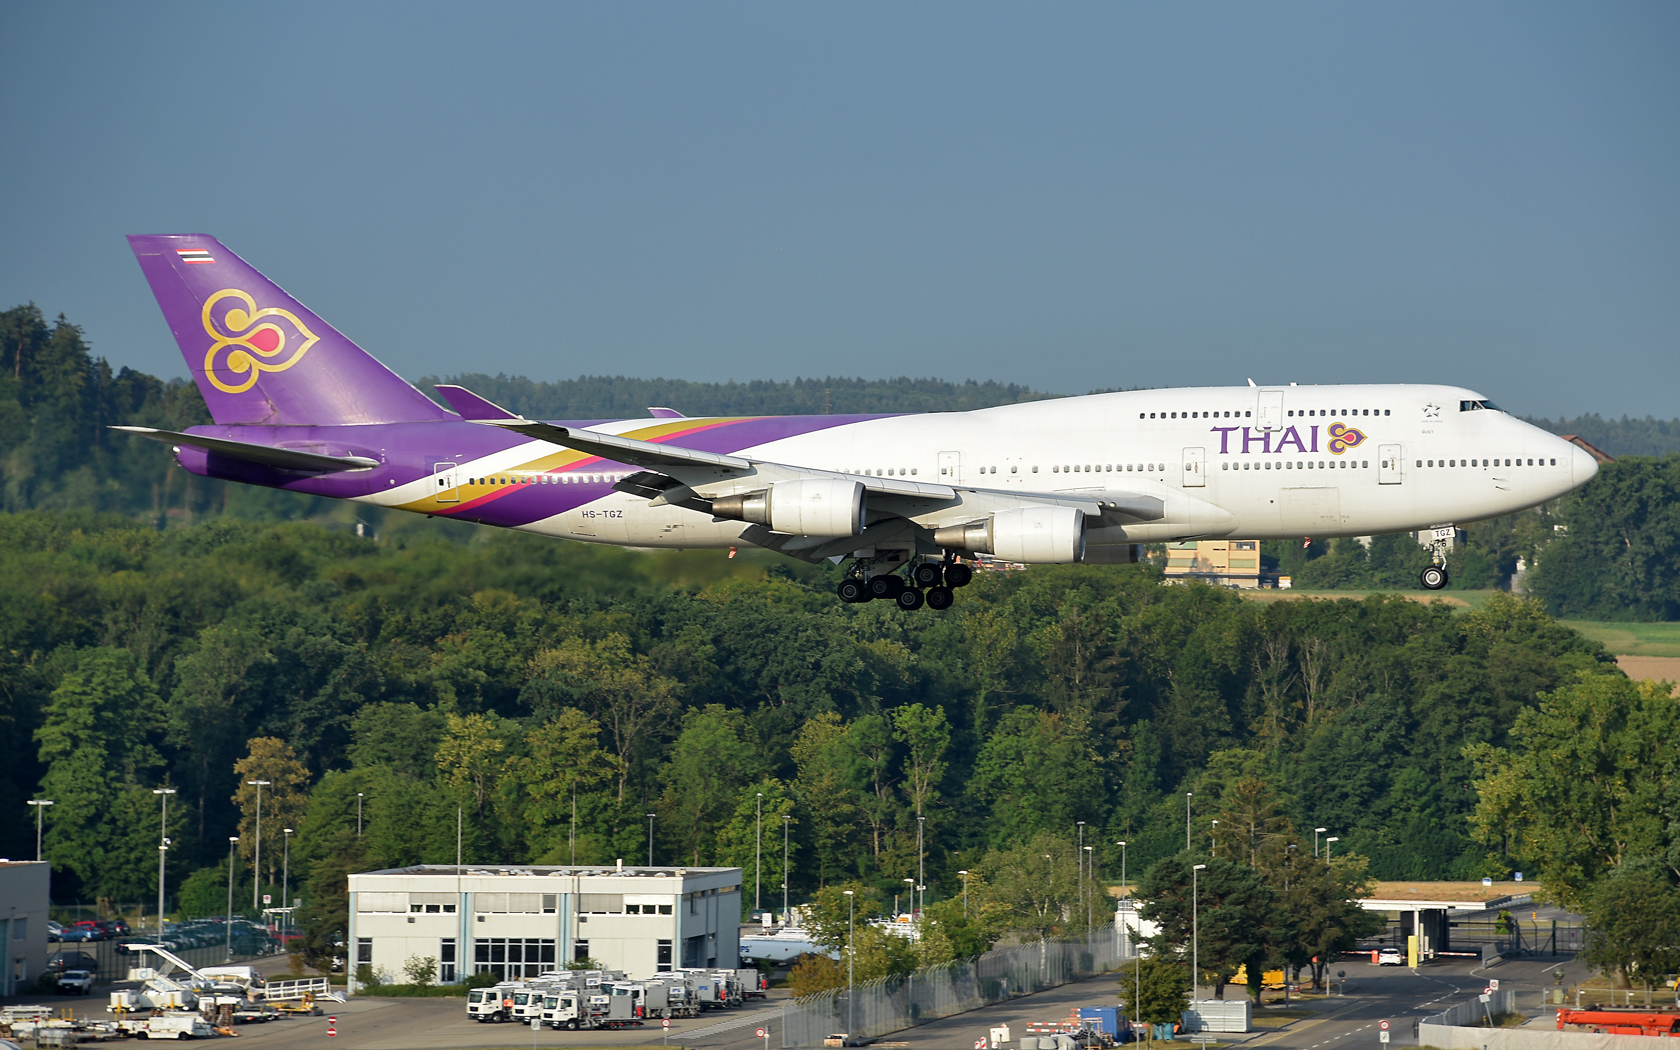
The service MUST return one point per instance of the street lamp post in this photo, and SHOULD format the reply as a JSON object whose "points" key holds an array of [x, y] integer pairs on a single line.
{"points": [[851, 1010], [964, 875], [1327, 842], [1316, 833], [1137, 965], [40, 805], [358, 814], [758, 855], [1213, 839], [1187, 795], [256, 863], [232, 841], [163, 847], [650, 817], [787, 819], [1195, 938], [286, 881], [1091, 876], [912, 896], [921, 865], [1080, 856]]}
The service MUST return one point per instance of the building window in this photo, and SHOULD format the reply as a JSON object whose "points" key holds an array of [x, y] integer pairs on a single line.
{"points": [[512, 957], [364, 950], [446, 960], [580, 951], [664, 909], [662, 962], [550, 903]]}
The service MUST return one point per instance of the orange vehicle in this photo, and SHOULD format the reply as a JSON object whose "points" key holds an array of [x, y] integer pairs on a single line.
{"points": [[1622, 1022]]}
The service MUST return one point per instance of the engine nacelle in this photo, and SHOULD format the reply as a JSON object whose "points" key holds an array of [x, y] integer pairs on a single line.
{"points": [[1035, 535], [808, 507]]}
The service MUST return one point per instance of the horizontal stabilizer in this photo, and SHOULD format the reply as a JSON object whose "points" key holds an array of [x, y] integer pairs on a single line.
{"points": [[267, 455], [470, 405]]}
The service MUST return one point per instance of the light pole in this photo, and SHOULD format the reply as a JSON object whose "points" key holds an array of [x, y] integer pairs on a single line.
{"points": [[1327, 842], [964, 875], [1080, 856], [758, 854], [921, 865], [1187, 795], [912, 896], [1213, 838], [232, 841], [1195, 937], [163, 847], [286, 881], [1316, 833], [40, 805], [256, 863], [1137, 966], [358, 814], [786, 820], [851, 1012], [650, 817], [1091, 897]]}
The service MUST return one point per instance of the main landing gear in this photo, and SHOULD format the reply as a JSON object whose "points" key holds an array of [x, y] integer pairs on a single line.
{"points": [[929, 583], [1435, 577]]}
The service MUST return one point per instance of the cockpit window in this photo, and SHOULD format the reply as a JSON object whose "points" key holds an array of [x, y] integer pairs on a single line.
{"points": [[1477, 406]]}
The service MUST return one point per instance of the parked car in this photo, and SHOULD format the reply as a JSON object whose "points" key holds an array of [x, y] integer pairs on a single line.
{"points": [[1390, 957], [54, 930], [91, 928], [59, 962], [75, 982], [79, 933]]}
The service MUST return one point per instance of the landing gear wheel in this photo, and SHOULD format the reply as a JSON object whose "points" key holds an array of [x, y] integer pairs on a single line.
{"points": [[939, 597], [1433, 578], [958, 575], [851, 590], [909, 599], [886, 586], [926, 574]]}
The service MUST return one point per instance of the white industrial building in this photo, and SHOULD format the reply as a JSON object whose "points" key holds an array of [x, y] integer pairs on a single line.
{"points": [[520, 921], [23, 923]]}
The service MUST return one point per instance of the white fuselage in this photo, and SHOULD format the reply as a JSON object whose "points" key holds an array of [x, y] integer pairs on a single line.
{"points": [[1275, 462]]}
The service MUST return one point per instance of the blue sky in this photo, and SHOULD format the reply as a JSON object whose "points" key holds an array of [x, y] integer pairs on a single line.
{"points": [[1069, 196]]}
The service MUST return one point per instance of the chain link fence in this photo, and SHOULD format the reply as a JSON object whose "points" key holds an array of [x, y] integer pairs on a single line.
{"points": [[890, 1004]]}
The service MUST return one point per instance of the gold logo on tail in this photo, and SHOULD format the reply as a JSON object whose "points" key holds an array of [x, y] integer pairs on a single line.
{"points": [[260, 345]]}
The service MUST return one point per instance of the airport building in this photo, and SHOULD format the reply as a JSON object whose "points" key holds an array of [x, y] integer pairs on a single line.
{"points": [[521, 921], [23, 923], [1228, 563]]}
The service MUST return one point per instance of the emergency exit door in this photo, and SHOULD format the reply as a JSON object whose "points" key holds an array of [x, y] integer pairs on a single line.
{"points": [[443, 483], [1388, 465], [1194, 466], [950, 468]]}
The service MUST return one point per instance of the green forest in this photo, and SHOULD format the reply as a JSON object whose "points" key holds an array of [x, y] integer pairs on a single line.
{"points": [[168, 630]]}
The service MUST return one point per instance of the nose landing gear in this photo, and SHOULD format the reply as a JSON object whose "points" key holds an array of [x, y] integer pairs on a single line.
{"points": [[1440, 541]]}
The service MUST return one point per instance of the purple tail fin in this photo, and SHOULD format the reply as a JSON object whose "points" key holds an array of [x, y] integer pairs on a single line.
{"points": [[260, 356]]}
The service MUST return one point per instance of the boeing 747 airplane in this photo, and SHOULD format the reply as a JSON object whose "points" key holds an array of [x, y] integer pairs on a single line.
{"points": [[903, 497]]}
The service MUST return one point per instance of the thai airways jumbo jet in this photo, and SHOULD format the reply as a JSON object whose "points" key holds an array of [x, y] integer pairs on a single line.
{"points": [[903, 497]]}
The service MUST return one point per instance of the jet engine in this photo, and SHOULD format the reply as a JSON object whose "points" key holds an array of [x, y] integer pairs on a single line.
{"points": [[808, 507], [1036, 535]]}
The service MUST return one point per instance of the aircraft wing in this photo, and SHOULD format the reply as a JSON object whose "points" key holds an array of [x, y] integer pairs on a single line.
{"points": [[267, 455]]}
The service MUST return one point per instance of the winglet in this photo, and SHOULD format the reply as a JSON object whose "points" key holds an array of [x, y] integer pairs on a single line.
{"points": [[470, 405], [665, 413]]}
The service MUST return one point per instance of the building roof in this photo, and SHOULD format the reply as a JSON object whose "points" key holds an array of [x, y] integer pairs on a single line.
{"points": [[520, 870], [1448, 896]]}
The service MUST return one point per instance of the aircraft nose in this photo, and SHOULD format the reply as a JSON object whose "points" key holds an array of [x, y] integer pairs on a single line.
{"points": [[1582, 464]]}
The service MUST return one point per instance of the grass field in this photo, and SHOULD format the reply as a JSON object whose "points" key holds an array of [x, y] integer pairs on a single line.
{"points": [[1457, 599], [1632, 639]]}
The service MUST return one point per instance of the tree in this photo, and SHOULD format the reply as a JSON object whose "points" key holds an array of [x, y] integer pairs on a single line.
{"points": [[1038, 773], [813, 974], [710, 761], [284, 798], [1633, 923], [1035, 884], [1618, 555], [620, 687], [1251, 828], [468, 757], [1234, 914], [946, 934], [95, 743], [1587, 786], [828, 791], [738, 841], [1318, 914], [927, 736], [1159, 986], [563, 759]]}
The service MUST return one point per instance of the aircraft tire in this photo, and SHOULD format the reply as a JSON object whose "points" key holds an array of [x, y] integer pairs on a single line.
{"points": [[958, 575], [852, 590], [1433, 578], [909, 599], [886, 586], [939, 597], [927, 574]]}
